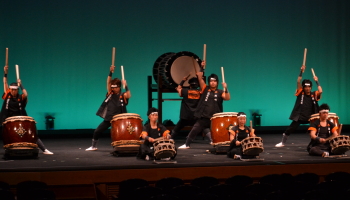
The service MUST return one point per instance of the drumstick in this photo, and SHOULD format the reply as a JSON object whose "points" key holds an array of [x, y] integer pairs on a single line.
{"points": [[340, 127], [7, 57], [304, 61], [313, 73], [222, 74], [17, 73], [122, 70], [251, 125], [204, 54], [194, 65], [113, 55]]}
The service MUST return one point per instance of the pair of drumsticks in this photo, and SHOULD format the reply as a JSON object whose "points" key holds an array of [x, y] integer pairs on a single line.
{"points": [[121, 67], [304, 62]]}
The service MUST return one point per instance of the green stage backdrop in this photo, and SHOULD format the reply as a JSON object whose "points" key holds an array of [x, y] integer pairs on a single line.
{"points": [[63, 49]]}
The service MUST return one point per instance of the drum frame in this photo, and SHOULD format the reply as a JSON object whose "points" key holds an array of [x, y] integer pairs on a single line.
{"points": [[160, 151], [340, 146], [252, 147]]}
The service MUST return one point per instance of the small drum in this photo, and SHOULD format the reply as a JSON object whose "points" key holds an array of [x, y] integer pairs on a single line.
{"points": [[252, 146], [170, 68], [164, 148], [19, 132], [332, 117], [220, 123], [126, 130], [340, 144]]}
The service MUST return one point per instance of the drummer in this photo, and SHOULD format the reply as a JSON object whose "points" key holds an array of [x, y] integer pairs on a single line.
{"points": [[305, 105], [14, 104], [319, 131], [190, 98], [210, 103], [150, 132], [237, 134], [115, 103]]}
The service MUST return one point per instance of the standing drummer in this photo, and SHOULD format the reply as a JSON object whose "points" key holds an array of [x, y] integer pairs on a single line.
{"points": [[237, 134], [305, 105], [150, 132], [14, 104], [115, 103], [320, 130], [210, 103]]}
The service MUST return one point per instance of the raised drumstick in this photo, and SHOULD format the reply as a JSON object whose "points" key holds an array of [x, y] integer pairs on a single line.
{"points": [[204, 54], [222, 74], [313, 73], [7, 57], [305, 52], [122, 71], [113, 55], [17, 72]]}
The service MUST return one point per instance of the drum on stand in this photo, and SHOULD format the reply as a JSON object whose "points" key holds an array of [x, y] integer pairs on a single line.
{"points": [[164, 148], [332, 117], [170, 68], [125, 133], [252, 146], [340, 144], [20, 137], [220, 124]]}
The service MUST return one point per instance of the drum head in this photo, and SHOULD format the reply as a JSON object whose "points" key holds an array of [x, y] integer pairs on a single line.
{"points": [[171, 68]]}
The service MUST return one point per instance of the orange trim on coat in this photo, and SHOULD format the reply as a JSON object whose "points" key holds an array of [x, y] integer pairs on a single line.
{"points": [[299, 90], [312, 129], [334, 129]]}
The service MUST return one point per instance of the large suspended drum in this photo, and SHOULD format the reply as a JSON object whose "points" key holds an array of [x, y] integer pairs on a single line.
{"points": [[20, 137], [170, 68], [125, 132]]}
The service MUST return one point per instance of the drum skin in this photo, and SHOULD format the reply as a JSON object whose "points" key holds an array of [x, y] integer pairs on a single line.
{"points": [[219, 126], [170, 68], [126, 126], [332, 117], [19, 129]]}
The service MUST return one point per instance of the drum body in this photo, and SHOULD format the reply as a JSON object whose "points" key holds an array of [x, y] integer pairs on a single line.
{"points": [[332, 117], [164, 148], [220, 123], [170, 68], [19, 132], [252, 146], [126, 130], [340, 144]]}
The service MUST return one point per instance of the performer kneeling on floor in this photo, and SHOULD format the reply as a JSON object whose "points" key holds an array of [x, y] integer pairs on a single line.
{"points": [[237, 134], [150, 133], [320, 131]]}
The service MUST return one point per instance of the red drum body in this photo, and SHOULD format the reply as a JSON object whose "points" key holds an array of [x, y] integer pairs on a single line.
{"points": [[170, 68], [164, 148], [126, 130], [252, 146], [340, 144], [19, 132], [332, 117], [220, 123]]}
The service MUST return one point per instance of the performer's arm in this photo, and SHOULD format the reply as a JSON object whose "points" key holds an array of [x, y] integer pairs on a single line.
{"points": [[24, 91], [313, 136], [319, 88], [6, 87], [232, 134], [179, 87], [109, 78], [144, 135], [252, 133], [225, 95], [200, 80], [127, 93]]}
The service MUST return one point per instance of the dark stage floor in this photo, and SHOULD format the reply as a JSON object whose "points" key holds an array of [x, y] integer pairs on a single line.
{"points": [[70, 155]]}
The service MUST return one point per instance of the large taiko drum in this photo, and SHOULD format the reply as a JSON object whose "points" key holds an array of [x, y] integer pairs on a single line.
{"points": [[220, 123], [126, 130], [164, 148], [340, 144], [19, 133], [252, 146], [332, 117], [170, 68]]}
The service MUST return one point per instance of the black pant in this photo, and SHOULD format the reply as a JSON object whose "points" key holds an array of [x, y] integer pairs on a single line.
{"points": [[100, 129], [294, 125], [198, 127], [238, 150], [318, 150], [180, 125]]}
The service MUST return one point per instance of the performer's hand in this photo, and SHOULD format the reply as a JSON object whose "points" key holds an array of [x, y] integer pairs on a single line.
{"points": [[199, 75], [203, 63], [150, 139], [224, 85], [303, 67], [123, 82], [111, 69], [322, 140], [6, 69], [238, 143], [19, 81], [315, 78]]}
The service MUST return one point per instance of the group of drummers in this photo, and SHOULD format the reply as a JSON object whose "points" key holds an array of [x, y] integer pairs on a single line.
{"points": [[201, 108]]}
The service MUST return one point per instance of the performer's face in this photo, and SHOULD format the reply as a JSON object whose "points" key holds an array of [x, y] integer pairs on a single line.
{"points": [[153, 117], [213, 84], [307, 89], [323, 116], [242, 121], [14, 92], [115, 89]]}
